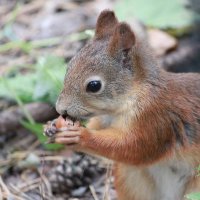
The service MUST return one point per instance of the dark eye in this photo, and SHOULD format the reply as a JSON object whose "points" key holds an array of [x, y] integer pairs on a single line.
{"points": [[93, 86]]}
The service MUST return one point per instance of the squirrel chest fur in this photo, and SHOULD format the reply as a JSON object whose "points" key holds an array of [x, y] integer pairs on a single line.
{"points": [[143, 118]]}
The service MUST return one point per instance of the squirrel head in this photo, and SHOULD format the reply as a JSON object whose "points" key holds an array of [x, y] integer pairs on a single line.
{"points": [[100, 76]]}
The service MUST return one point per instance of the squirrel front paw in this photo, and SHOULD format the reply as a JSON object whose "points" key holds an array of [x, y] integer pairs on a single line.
{"points": [[73, 135], [64, 131]]}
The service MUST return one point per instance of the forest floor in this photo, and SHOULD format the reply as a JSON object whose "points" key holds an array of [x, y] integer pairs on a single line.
{"points": [[27, 169], [33, 28]]}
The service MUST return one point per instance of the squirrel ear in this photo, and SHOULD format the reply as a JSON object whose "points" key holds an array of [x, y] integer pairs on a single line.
{"points": [[123, 39], [105, 24]]}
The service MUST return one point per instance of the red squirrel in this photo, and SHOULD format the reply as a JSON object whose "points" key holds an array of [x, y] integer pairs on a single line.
{"points": [[143, 118]]}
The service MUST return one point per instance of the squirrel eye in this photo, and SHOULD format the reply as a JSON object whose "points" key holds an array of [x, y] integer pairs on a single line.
{"points": [[93, 86]]}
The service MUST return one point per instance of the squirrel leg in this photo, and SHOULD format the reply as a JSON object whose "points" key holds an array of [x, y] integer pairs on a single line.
{"points": [[127, 147]]}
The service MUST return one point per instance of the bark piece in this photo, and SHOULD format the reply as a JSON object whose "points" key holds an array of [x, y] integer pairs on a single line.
{"points": [[10, 118]]}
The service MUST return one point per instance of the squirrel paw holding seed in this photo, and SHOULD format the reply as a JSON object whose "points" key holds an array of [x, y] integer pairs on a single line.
{"points": [[64, 131]]}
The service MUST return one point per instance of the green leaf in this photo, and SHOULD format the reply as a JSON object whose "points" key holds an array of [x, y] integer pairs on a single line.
{"points": [[157, 13], [18, 100], [44, 83], [22, 85], [37, 129], [50, 76], [26, 47], [193, 196]]}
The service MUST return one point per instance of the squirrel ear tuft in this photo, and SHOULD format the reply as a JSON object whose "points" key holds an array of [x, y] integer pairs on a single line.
{"points": [[123, 39], [105, 24]]}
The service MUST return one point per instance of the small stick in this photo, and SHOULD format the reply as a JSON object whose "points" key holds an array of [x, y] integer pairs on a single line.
{"points": [[30, 187], [4, 187], [52, 158], [16, 191], [50, 140], [107, 184], [29, 183], [1, 194], [93, 192], [5, 162], [47, 184]]}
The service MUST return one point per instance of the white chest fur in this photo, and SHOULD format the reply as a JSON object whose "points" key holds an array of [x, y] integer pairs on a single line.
{"points": [[170, 179], [163, 181]]}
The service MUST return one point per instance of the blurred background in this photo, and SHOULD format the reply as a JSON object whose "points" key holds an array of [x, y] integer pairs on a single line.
{"points": [[37, 40]]}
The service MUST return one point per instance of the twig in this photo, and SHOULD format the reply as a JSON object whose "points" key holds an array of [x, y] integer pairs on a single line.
{"points": [[42, 192], [4, 187], [52, 158], [33, 146], [1, 194], [93, 192], [22, 154], [107, 184], [10, 119], [30, 187], [16, 191], [6, 192], [23, 187], [47, 184], [11, 196], [5, 162]]}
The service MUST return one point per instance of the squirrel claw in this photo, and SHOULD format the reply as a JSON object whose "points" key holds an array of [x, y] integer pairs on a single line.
{"points": [[50, 129]]}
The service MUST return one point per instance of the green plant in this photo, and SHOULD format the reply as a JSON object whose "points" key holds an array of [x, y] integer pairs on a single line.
{"points": [[50, 74], [156, 13], [193, 196], [37, 129], [28, 46], [196, 195], [42, 84]]}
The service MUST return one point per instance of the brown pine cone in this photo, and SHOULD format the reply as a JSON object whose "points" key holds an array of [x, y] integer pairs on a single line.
{"points": [[78, 171]]}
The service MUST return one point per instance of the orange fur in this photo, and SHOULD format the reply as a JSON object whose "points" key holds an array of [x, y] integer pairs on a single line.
{"points": [[105, 24]]}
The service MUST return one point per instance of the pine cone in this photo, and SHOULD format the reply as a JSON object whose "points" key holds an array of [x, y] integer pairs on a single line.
{"points": [[80, 170]]}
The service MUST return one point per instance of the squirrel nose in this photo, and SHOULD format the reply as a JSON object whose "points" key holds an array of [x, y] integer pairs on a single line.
{"points": [[60, 109], [62, 112]]}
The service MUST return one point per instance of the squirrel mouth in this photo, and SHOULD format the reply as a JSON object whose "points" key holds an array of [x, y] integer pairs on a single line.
{"points": [[66, 116], [74, 119]]}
